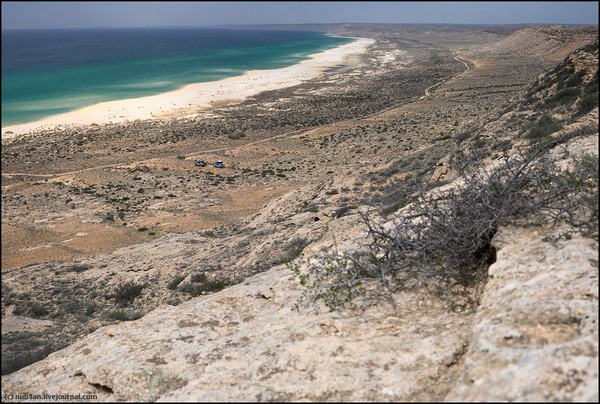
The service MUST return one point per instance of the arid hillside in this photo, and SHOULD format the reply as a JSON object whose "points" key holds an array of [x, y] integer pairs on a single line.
{"points": [[150, 278]]}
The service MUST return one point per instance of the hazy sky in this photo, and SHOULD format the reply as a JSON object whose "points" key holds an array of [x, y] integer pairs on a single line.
{"points": [[139, 14]]}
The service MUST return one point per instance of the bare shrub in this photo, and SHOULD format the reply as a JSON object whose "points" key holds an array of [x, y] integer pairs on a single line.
{"points": [[444, 238]]}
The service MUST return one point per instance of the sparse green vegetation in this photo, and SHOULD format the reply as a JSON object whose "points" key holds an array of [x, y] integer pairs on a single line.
{"points": [[213, 285], [543, 127], [565, 96], [461, 137], [33, 350], [198, 277], [587, 103], [311, 209], [236, 136], [200, 284], [39, 310], [176, 281], [126, 293], [77, 268]]}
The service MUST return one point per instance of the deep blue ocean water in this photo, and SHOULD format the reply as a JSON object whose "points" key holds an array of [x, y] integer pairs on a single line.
{"points": [[48, 72]]}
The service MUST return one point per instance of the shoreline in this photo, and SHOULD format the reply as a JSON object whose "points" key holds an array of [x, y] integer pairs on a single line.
{"points": [[193, 99]]}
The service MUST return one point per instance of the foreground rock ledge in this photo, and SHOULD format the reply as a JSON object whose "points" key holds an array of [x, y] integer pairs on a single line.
{"points": [[534, 338], [535, 334], [246, 344]]}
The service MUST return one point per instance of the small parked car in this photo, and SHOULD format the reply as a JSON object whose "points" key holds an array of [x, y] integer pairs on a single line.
{"points": [[200, 163], [219, 164]]}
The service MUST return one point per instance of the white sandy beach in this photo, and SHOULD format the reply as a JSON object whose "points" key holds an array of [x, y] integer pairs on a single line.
{"points": [[194, 98]]}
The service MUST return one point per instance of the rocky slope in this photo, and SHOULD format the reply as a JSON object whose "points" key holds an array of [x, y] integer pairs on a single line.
{"points": [[533, 337], [246, 344]]}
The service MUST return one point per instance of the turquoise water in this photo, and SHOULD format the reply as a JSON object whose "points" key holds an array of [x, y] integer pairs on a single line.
{"points": [[49, 72]]}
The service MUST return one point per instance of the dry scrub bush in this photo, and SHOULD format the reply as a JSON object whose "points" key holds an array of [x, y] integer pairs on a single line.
{"points": [[126, 293], [443, 240]]}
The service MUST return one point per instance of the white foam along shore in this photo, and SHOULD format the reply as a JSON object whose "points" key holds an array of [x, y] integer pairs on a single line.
{"points": [[196, 97]]}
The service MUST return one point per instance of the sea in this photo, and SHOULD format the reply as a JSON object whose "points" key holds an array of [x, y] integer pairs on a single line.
{"points": [[49, 72]]}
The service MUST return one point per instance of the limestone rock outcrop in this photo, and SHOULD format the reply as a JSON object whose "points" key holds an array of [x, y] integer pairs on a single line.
{"points": [[246, 343], [535, 335]]}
